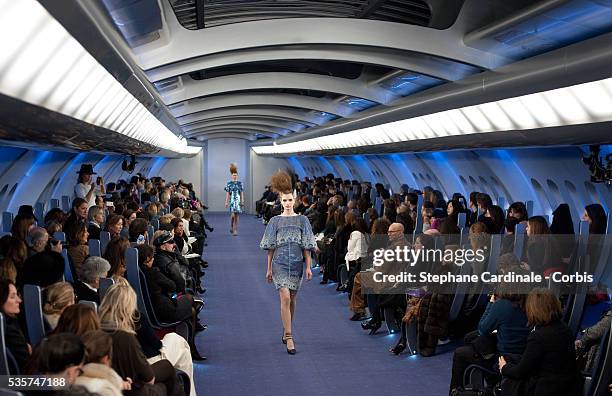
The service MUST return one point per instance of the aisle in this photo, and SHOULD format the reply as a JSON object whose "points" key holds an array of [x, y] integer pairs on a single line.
{"points": [[335, 357]]}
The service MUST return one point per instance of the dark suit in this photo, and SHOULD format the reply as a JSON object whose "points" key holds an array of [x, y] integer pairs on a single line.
{"points": [[84, 293]]}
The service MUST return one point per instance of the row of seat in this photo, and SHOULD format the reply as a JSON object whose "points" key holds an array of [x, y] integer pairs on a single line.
{"points": [[40, 210]]}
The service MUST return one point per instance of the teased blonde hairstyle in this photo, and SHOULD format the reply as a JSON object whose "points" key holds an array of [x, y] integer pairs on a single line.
{"points": [[281, 183], [233, 169], [166, 219], [178, 213], [59, 296], [118, 308]]}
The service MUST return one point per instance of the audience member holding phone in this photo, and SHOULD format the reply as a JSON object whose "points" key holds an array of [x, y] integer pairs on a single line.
{"points": [[85, 188]]}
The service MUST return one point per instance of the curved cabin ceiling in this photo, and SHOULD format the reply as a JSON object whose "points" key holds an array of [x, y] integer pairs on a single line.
{"points": [[289, 75]]}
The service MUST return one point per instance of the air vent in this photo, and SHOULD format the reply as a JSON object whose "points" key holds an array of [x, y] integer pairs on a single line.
{"points": [[223, 12]]}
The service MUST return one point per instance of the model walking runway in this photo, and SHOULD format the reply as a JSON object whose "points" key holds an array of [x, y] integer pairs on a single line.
{"points": [[245, 355]]}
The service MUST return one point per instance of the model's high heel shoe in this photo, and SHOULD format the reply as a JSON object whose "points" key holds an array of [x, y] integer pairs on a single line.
{"points": [[292, 351], [283, 339]]}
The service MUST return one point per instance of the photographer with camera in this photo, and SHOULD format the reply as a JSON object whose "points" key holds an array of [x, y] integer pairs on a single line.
{"points": [[85, 188]]}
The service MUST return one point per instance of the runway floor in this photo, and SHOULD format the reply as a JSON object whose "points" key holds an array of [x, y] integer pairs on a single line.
{"points": [[335, 356]]}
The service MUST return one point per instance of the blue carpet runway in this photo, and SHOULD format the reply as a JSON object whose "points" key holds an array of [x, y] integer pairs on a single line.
{"points": [[335, 356]]}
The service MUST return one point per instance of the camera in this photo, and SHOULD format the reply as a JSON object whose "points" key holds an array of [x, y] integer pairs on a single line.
{"points": [[599, 172]]}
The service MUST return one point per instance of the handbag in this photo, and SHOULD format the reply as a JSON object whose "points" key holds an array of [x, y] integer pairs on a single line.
{"points": [[472, 390]]}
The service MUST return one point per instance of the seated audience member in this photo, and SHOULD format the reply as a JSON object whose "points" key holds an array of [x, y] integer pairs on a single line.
{"points": [[509, 236], [432, 318], [542, 251], [86, 287], [502, 329], [472, 208], [115, 255], [518, 210], [172, 347], [57, 216], [130, 215], [97, 374], [168, 305], [78, 248], [562, 227], [548, 364], [137, 228], [388, 296], [495, 219], [187, 213], [58, 297], [164, 222], [38, 241], [43, 269], [77, 319], [117, 313], [100, 202], [77, 215], [449, 231], [59, 355], [484, 201], [23, 223], [427, 212], [14, 335], [153, 211], [303, 205], [356, 251], [96, 219], [389, 210], [587, 346], [167, 261], [414, 293], [180, 238], [404, 217], [13, 252], [52, 227], [595, 214], [114, 225]]}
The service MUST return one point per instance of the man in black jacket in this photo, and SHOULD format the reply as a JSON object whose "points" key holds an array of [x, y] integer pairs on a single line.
{"points": [[170, 263]]}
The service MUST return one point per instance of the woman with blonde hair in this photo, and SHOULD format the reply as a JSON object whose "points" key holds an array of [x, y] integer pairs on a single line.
{"points": [[118, 316], [289, 240], [59, 296], [234, 199]]}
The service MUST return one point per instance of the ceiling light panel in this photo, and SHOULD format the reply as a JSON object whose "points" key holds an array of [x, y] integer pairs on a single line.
{"points": [[44, 65], [579, 104]]}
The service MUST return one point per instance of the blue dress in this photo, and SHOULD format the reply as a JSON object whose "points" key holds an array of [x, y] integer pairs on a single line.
{"points": [[288, 236], [234, 188]]}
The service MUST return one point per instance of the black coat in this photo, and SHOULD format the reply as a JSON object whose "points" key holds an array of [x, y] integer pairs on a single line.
{"points": [[161, 288], [548, 366], [169, 265], [16, 341], [42, 269], [94, 231], [84, 293]]}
